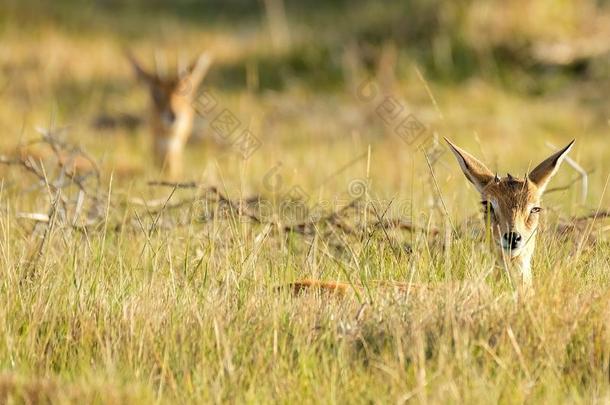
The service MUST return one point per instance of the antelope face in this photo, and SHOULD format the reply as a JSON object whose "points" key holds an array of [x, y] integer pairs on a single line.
{"points": [[511, 205], [165, 104], [172, 112]]}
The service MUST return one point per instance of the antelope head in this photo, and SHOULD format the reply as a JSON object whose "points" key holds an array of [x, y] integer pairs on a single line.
{"points": [[172, 111], [512, 205]]}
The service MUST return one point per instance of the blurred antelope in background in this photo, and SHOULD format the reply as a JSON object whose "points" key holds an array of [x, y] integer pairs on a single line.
{"points": [[511, 207], [172, 112]]}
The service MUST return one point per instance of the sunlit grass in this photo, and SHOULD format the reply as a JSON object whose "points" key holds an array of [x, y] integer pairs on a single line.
{"points": [[138, 310]]}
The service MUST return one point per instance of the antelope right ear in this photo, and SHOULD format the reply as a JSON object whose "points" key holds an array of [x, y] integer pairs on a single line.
{"points": [[543, 173], [199, 69], [141, 73], [476, 172]]}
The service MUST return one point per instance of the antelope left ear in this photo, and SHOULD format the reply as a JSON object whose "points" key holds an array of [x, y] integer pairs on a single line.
{"points": [[543, 173]]}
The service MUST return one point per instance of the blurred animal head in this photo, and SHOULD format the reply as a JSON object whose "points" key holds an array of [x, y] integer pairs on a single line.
{"points": [[512, 205], [172, 111]]}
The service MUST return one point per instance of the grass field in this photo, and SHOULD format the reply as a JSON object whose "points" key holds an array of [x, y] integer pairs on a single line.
{"points": [[144, 293]]}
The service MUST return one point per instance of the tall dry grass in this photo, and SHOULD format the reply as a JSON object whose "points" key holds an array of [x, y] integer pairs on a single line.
{"points": [[165, 304]]}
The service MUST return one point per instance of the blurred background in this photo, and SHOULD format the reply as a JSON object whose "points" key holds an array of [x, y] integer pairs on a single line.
{"points": [[323, 85]]}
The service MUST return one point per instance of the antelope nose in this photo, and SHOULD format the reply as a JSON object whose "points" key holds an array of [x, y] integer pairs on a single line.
{"points": [[512, 240], [168, 117]]}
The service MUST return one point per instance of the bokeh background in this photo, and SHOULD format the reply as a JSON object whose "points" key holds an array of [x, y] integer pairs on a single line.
{"points": [[501, 79]]}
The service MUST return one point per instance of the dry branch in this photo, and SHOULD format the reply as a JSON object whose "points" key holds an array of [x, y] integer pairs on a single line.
{"points": [[65, 206]]}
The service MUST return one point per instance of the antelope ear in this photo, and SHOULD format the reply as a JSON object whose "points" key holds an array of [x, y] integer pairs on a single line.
{"points": [[141, 73], [197, 71], [543, 173], [476, 172]]}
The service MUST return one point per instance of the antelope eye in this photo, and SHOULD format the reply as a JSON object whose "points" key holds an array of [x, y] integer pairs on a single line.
{"points": [[535, 210], [487, 207]]}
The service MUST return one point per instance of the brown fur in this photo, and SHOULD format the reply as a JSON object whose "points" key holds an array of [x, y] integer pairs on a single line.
{"points": [[341, 288]]}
